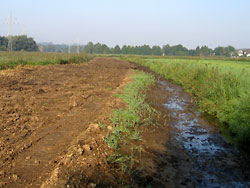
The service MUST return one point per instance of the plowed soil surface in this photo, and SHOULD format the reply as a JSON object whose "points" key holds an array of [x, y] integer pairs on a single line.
{"points": [[43, 109]]}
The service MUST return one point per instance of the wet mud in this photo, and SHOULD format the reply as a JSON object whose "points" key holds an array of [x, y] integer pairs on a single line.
{"points": [[197, 154]]}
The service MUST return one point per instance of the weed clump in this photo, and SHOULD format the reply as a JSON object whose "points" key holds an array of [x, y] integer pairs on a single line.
{"points": [[125, 135]]}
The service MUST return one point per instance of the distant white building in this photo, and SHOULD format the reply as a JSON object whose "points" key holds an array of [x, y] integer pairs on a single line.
{"points": [[244, 52], [240, 53], [247, 52]]}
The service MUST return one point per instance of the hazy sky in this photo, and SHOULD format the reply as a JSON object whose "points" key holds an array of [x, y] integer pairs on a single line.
{"points": [[132, 22]]}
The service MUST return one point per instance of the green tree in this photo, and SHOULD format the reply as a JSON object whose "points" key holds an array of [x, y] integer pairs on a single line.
{"points": [[145, 50], [192, 52], [117, 49], [3, 43], [219, 51], [179, 50], [156, 50], [98, 48], [198, 51], [23, 42], [229, 51], [125, 49], [106, 49], [205, 51], [89, 48], [166, 49]]}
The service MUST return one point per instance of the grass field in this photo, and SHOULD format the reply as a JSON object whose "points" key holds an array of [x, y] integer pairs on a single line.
{"points": [[10, 60], [221, 88]]}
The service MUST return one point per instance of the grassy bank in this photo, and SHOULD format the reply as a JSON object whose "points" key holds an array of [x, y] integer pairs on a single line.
{"points": [[221, 88], [9, 60], [124, 134]]}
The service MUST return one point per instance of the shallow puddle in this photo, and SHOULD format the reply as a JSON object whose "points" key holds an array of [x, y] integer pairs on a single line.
{"points": [[216, 163]]}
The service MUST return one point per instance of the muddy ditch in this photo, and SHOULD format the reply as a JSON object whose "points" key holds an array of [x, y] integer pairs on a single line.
{"points": [[197, 155]]}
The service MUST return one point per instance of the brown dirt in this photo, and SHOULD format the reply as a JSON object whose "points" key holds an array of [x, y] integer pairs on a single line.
{"points": [[48, 116]]}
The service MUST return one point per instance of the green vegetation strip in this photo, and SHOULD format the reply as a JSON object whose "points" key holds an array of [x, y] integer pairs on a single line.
{"points": [[9, 60], [125, 136], [220, 87]]}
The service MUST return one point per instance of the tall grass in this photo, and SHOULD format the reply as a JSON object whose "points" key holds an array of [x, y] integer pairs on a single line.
{"points": [[9, 60], [222, 88], [125, 135]]}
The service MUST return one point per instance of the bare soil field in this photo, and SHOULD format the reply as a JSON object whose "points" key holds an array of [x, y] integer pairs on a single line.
{"points": [[43, 111]]}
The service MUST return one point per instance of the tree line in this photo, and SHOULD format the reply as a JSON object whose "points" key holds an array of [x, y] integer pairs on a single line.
{"points": [[176, 50], [18, 43], [59, 48], [25, 43]]}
